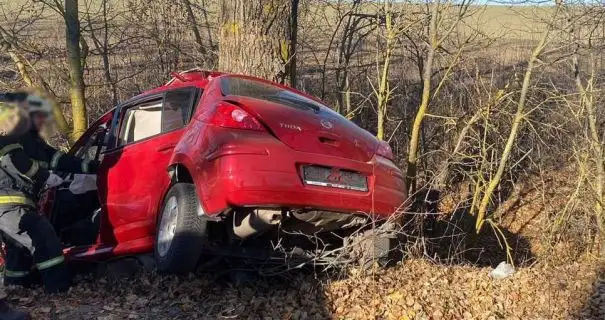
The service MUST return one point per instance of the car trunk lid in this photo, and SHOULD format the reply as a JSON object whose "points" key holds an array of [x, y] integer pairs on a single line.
{"points": [[305, 125]]}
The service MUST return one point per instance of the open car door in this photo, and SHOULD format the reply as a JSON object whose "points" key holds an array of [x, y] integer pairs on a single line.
{"points": [[72, 214], [147, 132]]}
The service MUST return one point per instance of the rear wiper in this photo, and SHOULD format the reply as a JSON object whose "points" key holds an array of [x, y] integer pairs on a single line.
{"points": [[315, 108], [294, 102]]}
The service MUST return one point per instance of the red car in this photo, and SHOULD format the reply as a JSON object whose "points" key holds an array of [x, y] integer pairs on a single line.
{"points": [[226, 150]]}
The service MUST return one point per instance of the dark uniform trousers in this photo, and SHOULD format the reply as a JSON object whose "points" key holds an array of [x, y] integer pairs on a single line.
{"points": [[33, 248], [30, 236]]}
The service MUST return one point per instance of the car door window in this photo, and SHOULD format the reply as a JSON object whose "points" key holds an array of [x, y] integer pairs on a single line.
{"points": [[95, 144], [141, 122], [177, 109]]}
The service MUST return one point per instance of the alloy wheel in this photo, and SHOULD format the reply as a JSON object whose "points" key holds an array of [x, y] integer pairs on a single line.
{"points": [[167, 228]]}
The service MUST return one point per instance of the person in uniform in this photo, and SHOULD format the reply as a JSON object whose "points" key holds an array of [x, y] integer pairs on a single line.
{"points": [[27, 164], [14, 121]]}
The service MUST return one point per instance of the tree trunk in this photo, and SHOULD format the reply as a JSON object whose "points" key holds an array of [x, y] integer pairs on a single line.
{"points": [[383, 87], [194, 27], [74, 61], [293, 37], [427, 74], [103, 48], [587, 100], [207, 26], [597, 149], [347, 98], [514, 131], [254, 38]]}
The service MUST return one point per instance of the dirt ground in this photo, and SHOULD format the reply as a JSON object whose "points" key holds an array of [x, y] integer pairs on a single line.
{"points": [[415, 289]]}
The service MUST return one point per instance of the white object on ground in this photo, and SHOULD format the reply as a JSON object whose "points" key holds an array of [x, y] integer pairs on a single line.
{"points": [[83, 183], [53, 181], [503, 270]]}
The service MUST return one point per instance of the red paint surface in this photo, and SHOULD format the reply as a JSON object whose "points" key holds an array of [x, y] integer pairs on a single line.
{"points": [[235, 167]]}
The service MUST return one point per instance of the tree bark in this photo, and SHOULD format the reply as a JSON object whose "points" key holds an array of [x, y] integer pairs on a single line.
{"points": [[74, 62], [254, 38]]}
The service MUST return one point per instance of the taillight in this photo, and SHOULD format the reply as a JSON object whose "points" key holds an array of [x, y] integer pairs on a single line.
{"points": [[384, 150], [228, 115]]}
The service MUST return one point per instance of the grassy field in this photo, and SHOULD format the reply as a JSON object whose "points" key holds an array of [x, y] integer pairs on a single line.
{"points": [[509, 21]]}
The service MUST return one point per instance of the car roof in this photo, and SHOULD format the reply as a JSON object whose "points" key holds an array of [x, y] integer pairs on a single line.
{"points": [[201, 78], [190, 78]]}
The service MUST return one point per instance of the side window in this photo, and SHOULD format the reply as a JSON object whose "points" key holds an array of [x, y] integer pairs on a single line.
{"points": [[177, 109], [94, 147], [140, 122]]}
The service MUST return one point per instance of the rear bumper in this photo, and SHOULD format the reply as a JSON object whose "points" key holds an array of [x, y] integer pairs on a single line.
{"points": [[260, 171]]}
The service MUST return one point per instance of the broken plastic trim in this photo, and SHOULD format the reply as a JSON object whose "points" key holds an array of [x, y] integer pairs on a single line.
{"points": [[202, 214]]}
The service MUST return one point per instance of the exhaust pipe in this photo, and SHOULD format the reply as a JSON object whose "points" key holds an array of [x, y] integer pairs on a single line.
{"points": [[246, 225]]}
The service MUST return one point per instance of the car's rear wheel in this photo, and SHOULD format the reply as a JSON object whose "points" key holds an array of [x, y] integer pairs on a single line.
{"points": [[181, 233]]}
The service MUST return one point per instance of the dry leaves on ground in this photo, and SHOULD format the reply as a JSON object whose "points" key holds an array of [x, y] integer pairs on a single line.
{"points": [[416, 289]]}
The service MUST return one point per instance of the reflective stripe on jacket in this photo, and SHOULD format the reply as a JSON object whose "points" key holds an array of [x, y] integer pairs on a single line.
{"points": [[25, 162]]}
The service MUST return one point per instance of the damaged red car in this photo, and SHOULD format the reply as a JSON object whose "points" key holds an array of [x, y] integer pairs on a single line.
{"points": [[214, 158]]}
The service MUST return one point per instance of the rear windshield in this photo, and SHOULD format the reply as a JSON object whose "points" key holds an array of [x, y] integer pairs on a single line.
{"points": [[234, 86]]}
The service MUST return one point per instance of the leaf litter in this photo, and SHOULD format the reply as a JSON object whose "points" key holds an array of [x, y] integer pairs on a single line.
{"points": [[414, 289]]}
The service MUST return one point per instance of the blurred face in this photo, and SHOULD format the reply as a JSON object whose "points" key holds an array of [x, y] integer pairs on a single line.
{"points": [[39, 120]]}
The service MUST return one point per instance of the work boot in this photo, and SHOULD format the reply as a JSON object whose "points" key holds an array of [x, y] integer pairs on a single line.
{"points": [[8, 313], [31, 280], [56, 279]]}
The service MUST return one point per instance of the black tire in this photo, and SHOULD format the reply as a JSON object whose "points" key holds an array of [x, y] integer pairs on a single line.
{"points": [[181, 254]]}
